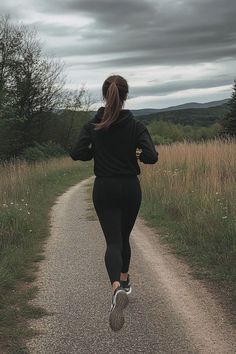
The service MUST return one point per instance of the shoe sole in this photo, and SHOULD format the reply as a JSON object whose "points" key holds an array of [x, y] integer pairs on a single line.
{"points": [[128, 291], [116, 318]]}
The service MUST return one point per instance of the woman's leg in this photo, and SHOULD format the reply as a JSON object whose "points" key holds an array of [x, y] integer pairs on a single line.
{"points": [[110, 221], [131, 205], [106, 203]]}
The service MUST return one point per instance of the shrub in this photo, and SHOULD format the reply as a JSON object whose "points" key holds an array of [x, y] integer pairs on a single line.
{"points": [[42, 151]]}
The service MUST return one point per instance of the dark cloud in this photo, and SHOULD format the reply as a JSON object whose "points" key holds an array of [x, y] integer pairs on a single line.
{"points": [[149, 32], [165, 88], [106, 13], [189, 55]]}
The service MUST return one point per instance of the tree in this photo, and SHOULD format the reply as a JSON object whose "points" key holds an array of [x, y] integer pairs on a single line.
{"points": [[31, 84], [75, 101], [229, 122], [34, 105], [10, 42]]}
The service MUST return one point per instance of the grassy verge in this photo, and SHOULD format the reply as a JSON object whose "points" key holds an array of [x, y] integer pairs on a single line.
{"points": [[189, 196], [27, 194]]}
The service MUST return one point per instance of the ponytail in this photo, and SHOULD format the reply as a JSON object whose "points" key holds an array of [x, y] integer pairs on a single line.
{"points": [[115, 89]]}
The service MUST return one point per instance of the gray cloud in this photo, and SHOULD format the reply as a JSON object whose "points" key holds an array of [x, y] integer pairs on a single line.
{"points": [[182, 56], [144, 31], [180, 85], [106, 13], [129, 33], [194, 31], [165, 88], [55, 30]]}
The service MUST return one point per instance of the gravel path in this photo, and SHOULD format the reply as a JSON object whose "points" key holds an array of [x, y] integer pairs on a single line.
{"points": [[168, 312]]}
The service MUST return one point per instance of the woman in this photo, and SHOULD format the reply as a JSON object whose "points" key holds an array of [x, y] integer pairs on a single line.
{"points": [[114, 135]]}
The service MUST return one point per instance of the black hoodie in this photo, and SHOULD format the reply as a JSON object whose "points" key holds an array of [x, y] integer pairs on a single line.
{"points": [[114, 150]]}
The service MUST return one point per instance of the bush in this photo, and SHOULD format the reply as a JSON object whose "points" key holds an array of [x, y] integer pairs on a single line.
{"points": [[165, 132], [161, 140], [42, 151]]}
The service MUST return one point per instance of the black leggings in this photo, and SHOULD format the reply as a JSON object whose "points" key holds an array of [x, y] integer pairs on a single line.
{"points": [[117, 201]]}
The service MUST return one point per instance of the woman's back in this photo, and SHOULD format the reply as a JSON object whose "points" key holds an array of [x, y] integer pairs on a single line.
{"points": [[114, 149]]}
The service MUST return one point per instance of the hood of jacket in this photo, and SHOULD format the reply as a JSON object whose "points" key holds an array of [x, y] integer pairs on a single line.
{"points": [[124, 116]]}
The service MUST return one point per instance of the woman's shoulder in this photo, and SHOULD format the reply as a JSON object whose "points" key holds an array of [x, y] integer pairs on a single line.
{"points": [[140, 126]]}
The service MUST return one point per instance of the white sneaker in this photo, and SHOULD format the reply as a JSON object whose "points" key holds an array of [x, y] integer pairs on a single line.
{"points": [[119, 302]]}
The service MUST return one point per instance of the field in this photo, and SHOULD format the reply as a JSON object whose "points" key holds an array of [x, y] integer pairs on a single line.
{"points": [[189, 195]]}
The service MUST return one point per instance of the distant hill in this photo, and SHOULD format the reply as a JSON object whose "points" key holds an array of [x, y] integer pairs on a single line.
{"points": [[146, 111], [194, 116]]}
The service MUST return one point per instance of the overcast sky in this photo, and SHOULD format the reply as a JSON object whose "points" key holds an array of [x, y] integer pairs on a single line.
{"points": [[170, 51]]}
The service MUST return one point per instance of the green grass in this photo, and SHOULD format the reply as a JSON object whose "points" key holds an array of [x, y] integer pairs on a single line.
{"points": [[28, 194], [206, 244], [205, 239]]}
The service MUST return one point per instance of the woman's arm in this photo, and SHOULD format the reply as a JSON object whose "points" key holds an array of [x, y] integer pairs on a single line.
{"points": [[149, 155], [81, 150]]}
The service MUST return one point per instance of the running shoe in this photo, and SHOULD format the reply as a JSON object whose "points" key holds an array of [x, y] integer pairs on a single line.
{"points": [[125, 284], [119, 302]]}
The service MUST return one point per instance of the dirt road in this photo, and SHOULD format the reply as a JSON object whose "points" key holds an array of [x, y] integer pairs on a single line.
{"points": [[168, 312]]}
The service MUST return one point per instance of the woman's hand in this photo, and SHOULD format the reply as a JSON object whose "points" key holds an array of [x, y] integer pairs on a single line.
{"points": [[138, 152]]}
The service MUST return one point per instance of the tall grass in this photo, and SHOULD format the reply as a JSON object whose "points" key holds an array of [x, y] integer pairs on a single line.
{"points": [[27, 191], [190, 196]]}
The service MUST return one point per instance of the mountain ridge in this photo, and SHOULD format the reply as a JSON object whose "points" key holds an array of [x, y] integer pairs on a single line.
{"points": [[188, 105]]}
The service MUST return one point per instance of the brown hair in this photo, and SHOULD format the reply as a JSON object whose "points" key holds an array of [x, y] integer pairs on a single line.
{"points": [[114, 89]]}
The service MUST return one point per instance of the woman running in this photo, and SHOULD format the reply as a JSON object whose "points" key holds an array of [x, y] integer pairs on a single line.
{"points": [[113, 138]]}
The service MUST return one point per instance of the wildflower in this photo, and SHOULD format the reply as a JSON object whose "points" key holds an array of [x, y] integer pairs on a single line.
{"points": [[26, 203], [224, 217], [22, 200], [217, 192], [12, 203], [28, 212], [5, 205], [30, 230]]}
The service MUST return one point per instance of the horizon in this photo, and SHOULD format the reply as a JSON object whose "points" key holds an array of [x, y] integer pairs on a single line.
{"points": [[190, 102]]}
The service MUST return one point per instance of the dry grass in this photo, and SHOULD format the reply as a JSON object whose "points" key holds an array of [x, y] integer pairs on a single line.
{"points": [[17, 178], [190, 195]]}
